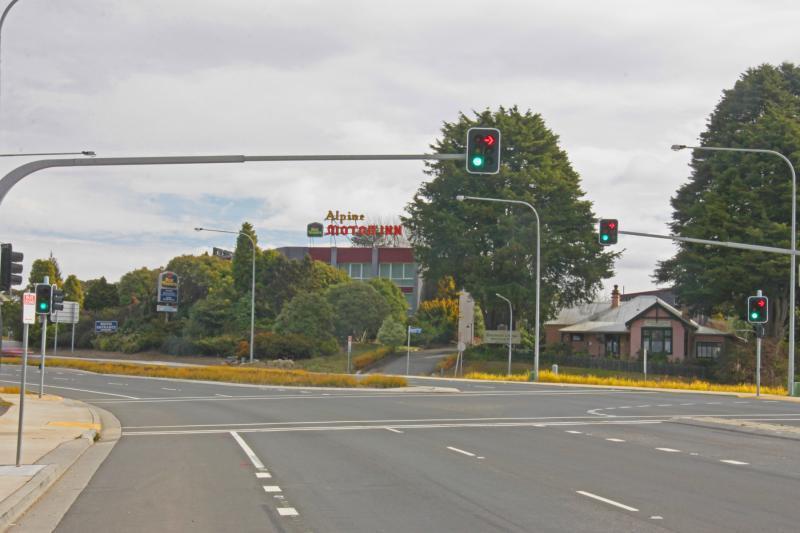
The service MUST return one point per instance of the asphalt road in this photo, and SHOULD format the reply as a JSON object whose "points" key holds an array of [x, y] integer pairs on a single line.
{"points": [[493, 457], [420, 363]]}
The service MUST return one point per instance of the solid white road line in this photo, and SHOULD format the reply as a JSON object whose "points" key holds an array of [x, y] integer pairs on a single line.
{"points": [[599, 422], [272, 488], [615, 440], [668, 450], [468, 454], [732, 462], [79, 390], [248, 451], [287, 511], [263, 475], [394, 430], [606, 500]]}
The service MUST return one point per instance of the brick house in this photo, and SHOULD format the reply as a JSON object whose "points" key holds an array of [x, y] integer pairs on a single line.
{"points": [[622, 329]]}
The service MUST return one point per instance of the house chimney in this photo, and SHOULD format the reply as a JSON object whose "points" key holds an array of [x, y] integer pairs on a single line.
{"points": [[615, 297]]}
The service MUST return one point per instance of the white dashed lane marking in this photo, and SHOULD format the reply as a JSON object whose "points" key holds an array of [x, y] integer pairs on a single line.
{"points": [[606, 500], [458, 450], [287, 511], [263, 475], [272, 488], [394, 430], [615, 440], [668, 450], [732, 462], [572, 431]]}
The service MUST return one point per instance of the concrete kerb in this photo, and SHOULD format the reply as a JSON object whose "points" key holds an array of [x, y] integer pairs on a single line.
{"points": [[57, 462]]}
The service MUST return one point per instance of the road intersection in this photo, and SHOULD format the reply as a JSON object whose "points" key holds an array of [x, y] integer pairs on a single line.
{"points": [[203, 456]]}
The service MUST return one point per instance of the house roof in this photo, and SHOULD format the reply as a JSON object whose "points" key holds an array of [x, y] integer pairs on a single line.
{"points": [[600, 317]]}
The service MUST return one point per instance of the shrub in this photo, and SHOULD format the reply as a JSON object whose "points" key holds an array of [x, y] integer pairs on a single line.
{"points": [[328, 347], [373, 356], [392, 333], [307, 314], [438, 319], [223, 345], [393, 296], [359, 309], [286, 346]]}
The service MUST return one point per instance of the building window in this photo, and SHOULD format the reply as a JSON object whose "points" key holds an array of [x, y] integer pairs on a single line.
{"points": [[357, 270], [402, 274], [612, 344], [708, 349], [657, 340], [576, 337]]}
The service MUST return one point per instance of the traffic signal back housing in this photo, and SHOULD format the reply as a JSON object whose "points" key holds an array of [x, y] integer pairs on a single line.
{"points": [[608, 231], [10, 267], [57, 299], [483, 150], [757, 309]]}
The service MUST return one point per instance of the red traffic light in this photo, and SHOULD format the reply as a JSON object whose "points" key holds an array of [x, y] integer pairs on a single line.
{"points": [[761, 302], [612, 225], [489, 140]]}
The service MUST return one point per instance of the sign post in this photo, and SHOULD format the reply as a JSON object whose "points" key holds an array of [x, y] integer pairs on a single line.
{"points": [[644, 353], [349, 351], [70, 314], [415, 331], [28, 317]]}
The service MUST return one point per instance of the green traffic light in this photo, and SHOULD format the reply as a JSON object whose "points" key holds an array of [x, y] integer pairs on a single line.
{"points": [[42, 305], [477, 161], [604, 237], [754, 315]]}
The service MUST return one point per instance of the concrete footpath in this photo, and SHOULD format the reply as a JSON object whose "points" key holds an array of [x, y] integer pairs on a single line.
{"points": [[57, 431]]}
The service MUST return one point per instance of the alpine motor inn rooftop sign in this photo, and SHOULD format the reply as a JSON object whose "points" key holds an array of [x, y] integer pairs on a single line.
{"points": [[341, 223]]}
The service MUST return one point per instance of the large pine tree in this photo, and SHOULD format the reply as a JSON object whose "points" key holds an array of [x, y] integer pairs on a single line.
{"points": [[740, 197]]}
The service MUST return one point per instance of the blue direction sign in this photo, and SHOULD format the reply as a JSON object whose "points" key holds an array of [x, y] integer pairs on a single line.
{"points": [[105, 326], [415, 331]]}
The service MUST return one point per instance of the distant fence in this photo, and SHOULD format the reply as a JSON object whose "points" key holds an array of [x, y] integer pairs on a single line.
{"points": [[602, 363]]}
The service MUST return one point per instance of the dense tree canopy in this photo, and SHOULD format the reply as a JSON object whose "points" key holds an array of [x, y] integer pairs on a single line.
{"points": [[740, 197], [490, 247]]}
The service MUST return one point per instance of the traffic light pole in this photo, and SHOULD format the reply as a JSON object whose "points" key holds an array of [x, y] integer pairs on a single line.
{"points": [[22, 171], [41, 361]]}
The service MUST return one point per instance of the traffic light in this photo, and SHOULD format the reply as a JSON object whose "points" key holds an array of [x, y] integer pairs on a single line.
{"points": [[57, 299], [757, 309], [483, 150], [10, 267], [44, 295], [608, 231]]}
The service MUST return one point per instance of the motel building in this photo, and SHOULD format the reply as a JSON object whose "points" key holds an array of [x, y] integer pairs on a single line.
{"points": [[626, 325], [396, 264]]}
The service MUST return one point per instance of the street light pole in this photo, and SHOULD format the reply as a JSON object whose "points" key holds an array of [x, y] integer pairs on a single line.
{"points": [[461, 198], [87, 153], [792, 267], [2, 21], [510, 328], [252, 286]]}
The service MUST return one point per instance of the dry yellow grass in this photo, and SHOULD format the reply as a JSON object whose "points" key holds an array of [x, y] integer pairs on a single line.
{"points": [[372, 356], [255, 376], [548, 377]]}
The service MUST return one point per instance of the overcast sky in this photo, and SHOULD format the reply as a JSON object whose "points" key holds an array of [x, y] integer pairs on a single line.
{"points": [[619, 82]]}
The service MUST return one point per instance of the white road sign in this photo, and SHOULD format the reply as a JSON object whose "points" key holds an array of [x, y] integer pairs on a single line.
{"points": [[29, 308], [69, 315], [500, 336]]}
